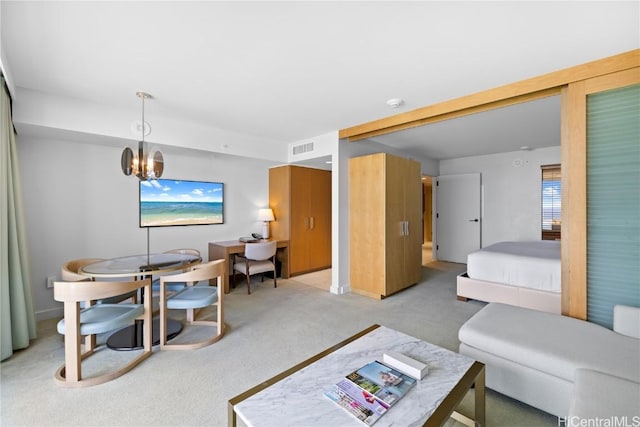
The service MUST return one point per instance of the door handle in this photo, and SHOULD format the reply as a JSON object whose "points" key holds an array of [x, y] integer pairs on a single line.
{"points": [[474, 220], [312, 223], [404, 228]]}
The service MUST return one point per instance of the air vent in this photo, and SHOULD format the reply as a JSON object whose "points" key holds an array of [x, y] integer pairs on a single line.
{"points": [[302, 148]]}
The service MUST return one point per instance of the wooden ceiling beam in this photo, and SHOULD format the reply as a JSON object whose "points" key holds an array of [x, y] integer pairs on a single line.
{"points": [[525, 90]]}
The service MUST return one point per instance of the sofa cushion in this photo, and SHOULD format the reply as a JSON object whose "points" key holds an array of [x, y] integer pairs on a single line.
{"points": [[551, 343], [598, 395]]}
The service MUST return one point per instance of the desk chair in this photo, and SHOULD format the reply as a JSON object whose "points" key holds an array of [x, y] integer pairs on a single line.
{"points": [[258, 258], [97, 319], [192, 298]]}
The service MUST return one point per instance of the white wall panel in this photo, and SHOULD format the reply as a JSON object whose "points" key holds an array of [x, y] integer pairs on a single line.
{"points": [[511, 184]]}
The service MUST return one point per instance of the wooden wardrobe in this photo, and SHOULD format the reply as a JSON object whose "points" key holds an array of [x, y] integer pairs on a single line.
{"points": [[385, 224], [301, 201]]}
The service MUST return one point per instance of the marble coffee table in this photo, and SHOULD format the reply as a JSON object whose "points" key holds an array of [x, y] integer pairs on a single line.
{"points": [[295, 397]]}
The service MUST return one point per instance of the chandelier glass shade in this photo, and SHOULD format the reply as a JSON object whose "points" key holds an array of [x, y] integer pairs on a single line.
{"points": [[145, 164]]}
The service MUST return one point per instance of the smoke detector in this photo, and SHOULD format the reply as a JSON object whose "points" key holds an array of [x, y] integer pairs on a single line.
{"points": [[394, 102]]}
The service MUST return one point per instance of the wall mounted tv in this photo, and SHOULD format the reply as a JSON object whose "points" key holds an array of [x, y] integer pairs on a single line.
{"points": [[168, 202]]}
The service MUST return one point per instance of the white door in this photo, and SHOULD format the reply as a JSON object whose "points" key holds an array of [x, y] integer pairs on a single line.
{"points": [[457, 216]]}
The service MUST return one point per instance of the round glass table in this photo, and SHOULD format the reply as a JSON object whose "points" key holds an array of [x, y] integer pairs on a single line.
{"points": [[130, 338], [140, 265]]}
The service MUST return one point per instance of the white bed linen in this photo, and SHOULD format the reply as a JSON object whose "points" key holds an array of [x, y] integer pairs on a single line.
{"points": [[534, 264]]}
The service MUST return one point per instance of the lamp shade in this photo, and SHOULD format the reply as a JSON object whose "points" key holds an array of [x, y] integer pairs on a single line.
{"points": [[265, 215]]}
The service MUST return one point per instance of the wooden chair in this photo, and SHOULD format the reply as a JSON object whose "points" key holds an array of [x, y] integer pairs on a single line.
{"points": [[257, 258], [70, 272], [187, 251], [97, 319], [174, 287], [192, 298]]}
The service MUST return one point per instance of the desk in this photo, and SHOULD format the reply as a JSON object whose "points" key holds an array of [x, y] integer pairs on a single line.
{"points": [[297, 394], [130, 338], [226, 249]]}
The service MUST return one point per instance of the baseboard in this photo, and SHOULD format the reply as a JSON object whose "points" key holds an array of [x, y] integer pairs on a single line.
{"points": [[52, 313], [340, 289]]}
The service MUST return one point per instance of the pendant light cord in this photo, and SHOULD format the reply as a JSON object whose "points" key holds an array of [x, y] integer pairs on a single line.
{"points": [[148, 245], [143, 96]]}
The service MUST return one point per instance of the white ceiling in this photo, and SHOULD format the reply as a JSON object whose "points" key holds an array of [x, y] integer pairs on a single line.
{"points": [[535, 124], [294, 70]]}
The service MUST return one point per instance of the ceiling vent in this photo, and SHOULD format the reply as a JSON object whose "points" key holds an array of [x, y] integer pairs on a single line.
{"points": [[303, 148]]}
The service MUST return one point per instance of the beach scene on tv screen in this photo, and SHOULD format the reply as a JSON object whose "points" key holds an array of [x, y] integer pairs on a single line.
{"points": [[165, 202]]}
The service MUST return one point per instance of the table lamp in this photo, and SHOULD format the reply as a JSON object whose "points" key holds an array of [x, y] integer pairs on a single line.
{"points": [[265, 215]]}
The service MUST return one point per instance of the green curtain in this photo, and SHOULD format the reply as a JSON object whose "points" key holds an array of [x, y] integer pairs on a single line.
{"points": [[17, 319]]}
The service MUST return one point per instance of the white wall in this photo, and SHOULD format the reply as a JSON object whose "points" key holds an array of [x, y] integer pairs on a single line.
{"points": [[79, 204], [511, 185], [41, 113], [324, 145], [4, 64]]}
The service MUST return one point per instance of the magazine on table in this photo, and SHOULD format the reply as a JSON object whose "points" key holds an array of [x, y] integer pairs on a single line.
{"points": [[370, 391]]}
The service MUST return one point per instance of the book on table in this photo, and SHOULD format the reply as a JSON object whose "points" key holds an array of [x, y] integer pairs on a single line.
{"points": [[368, 393]]}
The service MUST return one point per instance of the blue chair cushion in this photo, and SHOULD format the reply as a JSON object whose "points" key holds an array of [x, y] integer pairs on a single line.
{"points": [[105, 317], [171, 287], [193, 297]]}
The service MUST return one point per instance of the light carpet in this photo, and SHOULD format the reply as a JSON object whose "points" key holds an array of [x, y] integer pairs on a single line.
{"points": [[269, 331]]}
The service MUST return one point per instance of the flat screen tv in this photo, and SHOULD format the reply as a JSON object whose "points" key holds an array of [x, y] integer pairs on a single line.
{"points": [[168, 202]]}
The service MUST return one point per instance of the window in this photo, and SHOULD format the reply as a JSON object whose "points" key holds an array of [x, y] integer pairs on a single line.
{"points": [[551, 202]]}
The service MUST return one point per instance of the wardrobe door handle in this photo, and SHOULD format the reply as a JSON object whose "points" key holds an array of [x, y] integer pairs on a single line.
{"points": [[404, 228], [312, 223]]}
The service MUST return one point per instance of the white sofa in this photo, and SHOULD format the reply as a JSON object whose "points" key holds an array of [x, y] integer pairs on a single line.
{"points": [[558, 364]]}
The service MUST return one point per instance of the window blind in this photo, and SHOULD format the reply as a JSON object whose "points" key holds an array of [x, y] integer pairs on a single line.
{"points": [[613, 202], [551, 197]]}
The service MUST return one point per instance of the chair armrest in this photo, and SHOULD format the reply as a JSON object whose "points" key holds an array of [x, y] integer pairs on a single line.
{"points": [[599, 395], [91, 291], [626, 320]]}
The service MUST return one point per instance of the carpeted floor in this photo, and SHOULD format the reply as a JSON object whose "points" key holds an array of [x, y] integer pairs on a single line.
{"points": [[269, 331]]}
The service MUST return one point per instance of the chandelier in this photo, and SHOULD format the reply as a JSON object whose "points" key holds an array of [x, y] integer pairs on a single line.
{"points": [[145, 164]]}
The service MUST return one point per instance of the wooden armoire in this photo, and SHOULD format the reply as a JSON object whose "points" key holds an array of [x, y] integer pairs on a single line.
{"points": [[385, 224], [301, 201]]}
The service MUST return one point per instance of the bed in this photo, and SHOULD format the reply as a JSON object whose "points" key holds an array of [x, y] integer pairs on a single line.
{"points": [[525, 274]]}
